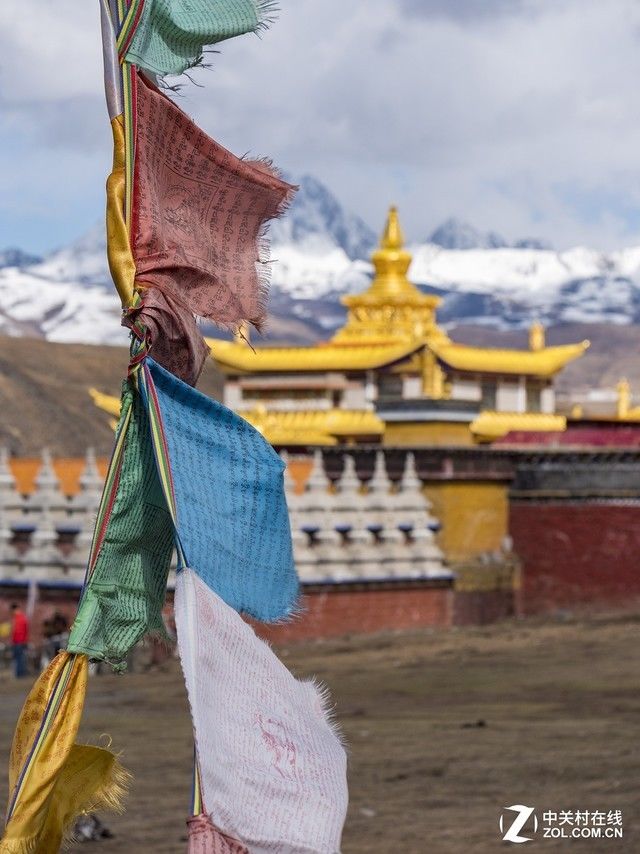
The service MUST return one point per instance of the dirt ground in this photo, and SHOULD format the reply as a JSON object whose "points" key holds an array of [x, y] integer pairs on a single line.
{"points": [[445, 729]]}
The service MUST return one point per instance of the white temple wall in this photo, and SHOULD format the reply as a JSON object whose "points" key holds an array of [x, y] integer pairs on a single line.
{"points": [[411, 387], [465, 389], [548, 400], [341, 531], [509, 396]]}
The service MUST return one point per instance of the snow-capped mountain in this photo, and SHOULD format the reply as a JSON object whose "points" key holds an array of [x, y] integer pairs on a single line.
{"points": [[320, 252], [457, 234], [13, 257], [317, 219]]}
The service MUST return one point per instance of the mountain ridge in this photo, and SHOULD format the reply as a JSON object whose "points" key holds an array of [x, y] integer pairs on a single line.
{"points": [[320, 252]]}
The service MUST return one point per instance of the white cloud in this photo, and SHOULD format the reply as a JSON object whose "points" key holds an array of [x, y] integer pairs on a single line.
{"points": [[517, 116]]}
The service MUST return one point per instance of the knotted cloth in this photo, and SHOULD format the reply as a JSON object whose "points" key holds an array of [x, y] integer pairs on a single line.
{"points": [[172, 334]]}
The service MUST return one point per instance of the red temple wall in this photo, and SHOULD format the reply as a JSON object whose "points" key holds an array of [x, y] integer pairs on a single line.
{"points": [[576, 553], [334, 613]]}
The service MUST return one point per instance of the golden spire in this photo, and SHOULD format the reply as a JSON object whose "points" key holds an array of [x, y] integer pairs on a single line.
{"points": [[536, 336], [624, 397], [392, 309], [392, 237], [392, 261]]}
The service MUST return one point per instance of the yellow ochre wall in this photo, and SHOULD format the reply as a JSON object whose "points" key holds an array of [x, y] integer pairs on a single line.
{"points": [[474, 516], [417, 433]]}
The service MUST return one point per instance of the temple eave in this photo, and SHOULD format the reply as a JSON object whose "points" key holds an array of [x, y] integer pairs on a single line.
{"points": [[489, 425], [321, 427], [238, 358], [540, 363]]}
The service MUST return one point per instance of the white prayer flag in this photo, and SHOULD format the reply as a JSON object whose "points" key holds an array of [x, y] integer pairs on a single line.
{"points": [[272, 768]]}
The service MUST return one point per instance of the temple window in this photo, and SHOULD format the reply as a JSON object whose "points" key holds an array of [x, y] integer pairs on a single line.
{"points": [[66, 540], [389, 385], [489, 394], [509, 398], [21, 537], [534, 396]]}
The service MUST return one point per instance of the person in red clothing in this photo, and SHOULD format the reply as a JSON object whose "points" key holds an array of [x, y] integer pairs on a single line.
{"points": [[19, 640]]}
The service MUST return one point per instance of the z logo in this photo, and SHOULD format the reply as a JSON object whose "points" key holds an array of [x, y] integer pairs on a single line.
{"points": [[512, 834]]}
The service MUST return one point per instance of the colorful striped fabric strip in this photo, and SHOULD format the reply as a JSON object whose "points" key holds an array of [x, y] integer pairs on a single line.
{"points": [[161, 453], [128, 27], [109, 490], [129, 99], [197, 806]]}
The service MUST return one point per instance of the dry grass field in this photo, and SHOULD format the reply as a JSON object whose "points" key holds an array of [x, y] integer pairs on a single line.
{"points": [[444, 729]]}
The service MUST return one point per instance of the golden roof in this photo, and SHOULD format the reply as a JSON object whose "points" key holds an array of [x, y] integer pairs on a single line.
{"points": [[108, 404], [323, 357], [313, 427], [490, 425], [389, 322], [540, 363]]}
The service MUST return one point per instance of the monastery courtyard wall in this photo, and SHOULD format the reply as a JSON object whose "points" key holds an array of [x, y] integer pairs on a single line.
{"points": [[384, 540]]}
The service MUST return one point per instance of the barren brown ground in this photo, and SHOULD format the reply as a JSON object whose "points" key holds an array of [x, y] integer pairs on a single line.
{"points": [[560, 704]]}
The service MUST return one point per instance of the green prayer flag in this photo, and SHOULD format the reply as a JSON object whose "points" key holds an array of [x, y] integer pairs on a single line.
{"points": [[170, 35], [123, 599]]}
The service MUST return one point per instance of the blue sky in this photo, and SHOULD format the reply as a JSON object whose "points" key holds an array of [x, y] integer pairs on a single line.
{"points": [[518, 116]]}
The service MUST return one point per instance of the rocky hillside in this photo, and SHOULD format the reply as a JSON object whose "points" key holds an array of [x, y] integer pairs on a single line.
{"points": [[44, 395]]}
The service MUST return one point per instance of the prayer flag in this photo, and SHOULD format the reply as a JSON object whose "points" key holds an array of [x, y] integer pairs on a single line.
{"points": [[227, 483], [52, 779], [272, 768], [127, 577], [186, 222], [199, 214], [168, 36]]}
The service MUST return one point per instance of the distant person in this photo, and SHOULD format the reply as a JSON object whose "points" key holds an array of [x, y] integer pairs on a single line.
{"points": [[46, 652], [60, 632], [19, 640]]}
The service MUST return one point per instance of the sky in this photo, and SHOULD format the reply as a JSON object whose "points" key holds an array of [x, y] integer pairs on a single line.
{"points": [[521, 116]]}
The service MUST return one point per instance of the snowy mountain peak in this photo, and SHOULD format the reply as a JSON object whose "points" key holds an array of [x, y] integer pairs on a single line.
{"points": [[84, 260], [13, 257], [320, 252], [317, 218], [457, 234]]}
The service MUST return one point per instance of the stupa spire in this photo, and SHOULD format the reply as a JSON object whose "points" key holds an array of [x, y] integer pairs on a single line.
{"points": [[392, 237], [391, 309], [392, 261]]}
